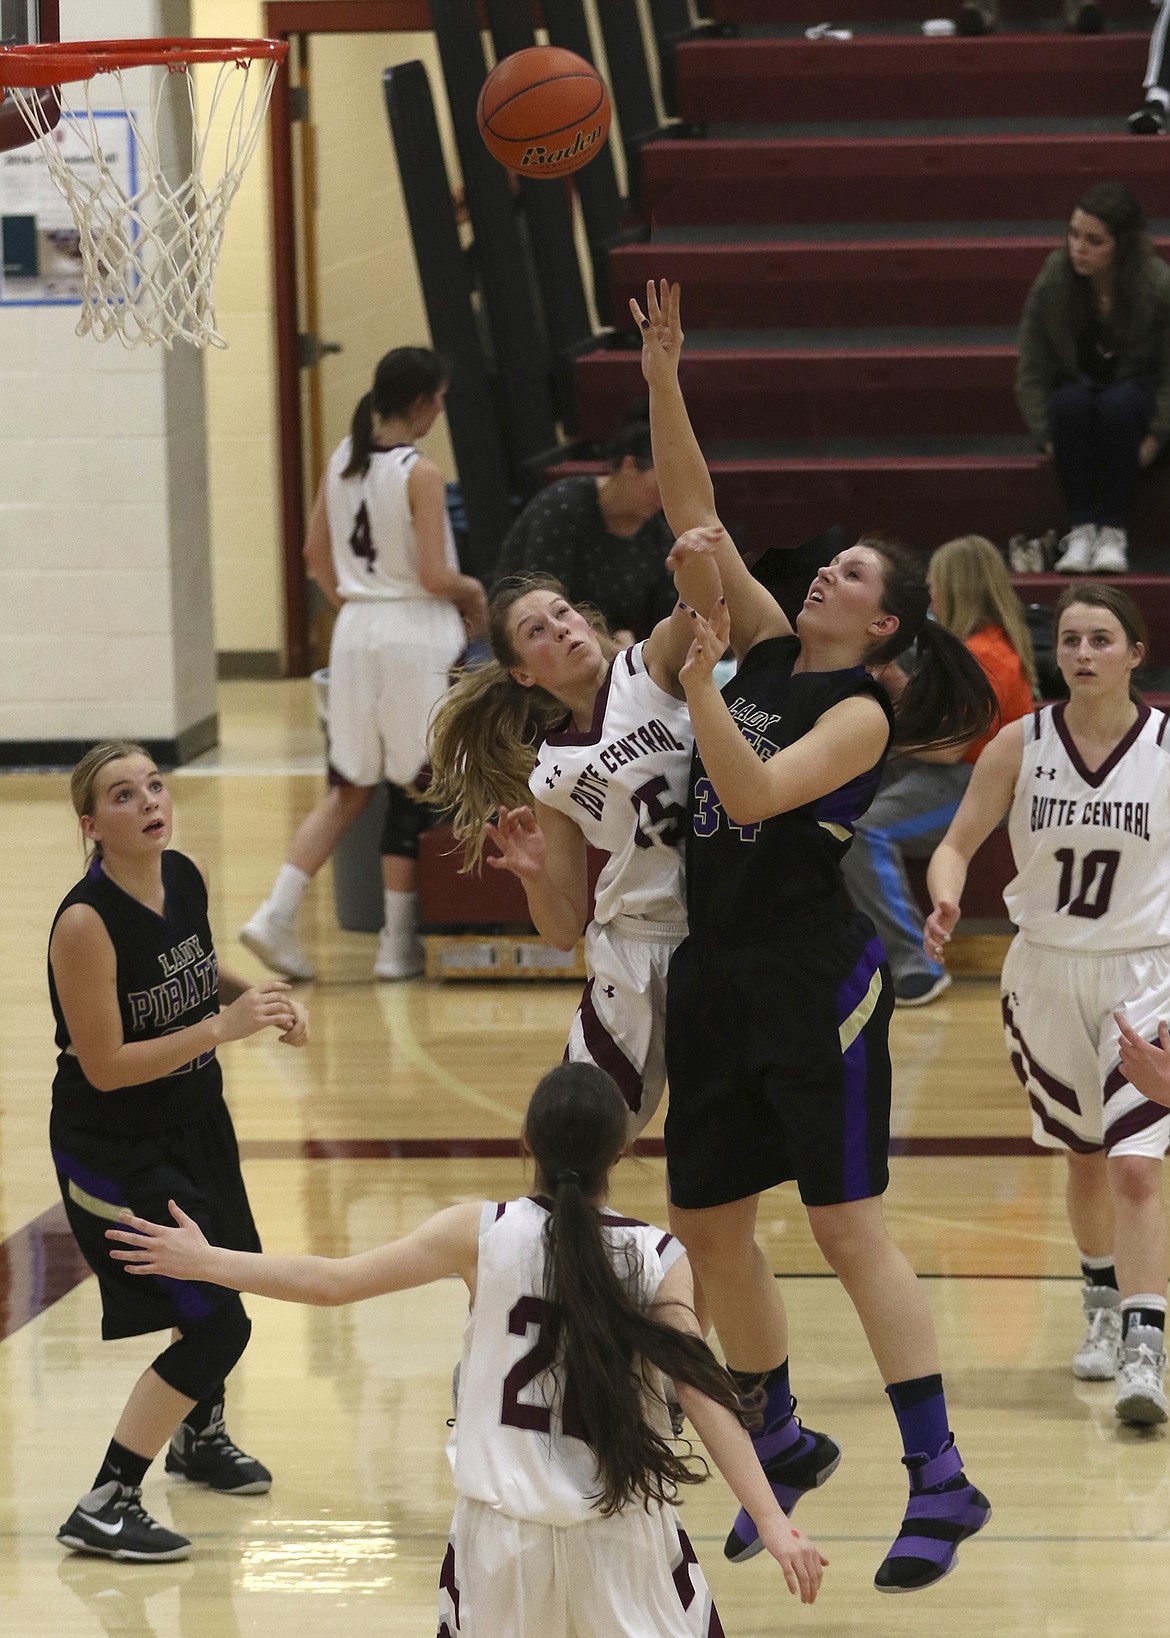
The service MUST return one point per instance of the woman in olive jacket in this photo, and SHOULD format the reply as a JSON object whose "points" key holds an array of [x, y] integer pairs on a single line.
{"points": [[1093, 379]]}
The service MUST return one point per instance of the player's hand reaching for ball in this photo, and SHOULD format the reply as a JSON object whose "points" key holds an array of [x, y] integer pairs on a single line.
{"points": [[661, 328], [708, 646], [521, 843], [263, 1006], [701, 542], [802, 1562], [940, 924]]}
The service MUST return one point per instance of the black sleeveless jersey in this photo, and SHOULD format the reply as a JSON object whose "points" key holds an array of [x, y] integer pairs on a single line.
{"points": [[166, 979], [746, 880]]}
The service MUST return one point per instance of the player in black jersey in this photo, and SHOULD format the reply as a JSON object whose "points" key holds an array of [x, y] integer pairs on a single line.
{"points": [[779, 1001], [138, 1119]]}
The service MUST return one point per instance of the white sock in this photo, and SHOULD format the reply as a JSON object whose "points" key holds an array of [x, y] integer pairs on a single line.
{"points": [[400, 913], [287, 891]]}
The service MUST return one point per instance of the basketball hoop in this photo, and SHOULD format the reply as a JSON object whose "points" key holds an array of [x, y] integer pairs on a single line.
{"points": [[149, 255]]}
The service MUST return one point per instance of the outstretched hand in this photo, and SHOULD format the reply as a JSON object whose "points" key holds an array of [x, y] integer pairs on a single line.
{"points": [[521, 843], [708, 646], [700, 542], [940, 924], [661, 328], [1145, 1064], [802, 1562], [177, 1253]]}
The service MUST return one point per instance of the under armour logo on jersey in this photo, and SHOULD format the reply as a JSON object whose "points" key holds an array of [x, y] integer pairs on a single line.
{"points": [[609, 992], [1045, 773]]}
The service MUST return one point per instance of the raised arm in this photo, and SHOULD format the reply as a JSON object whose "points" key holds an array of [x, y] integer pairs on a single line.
{"points": [[688, 498], [731, 1450], [985, 801], [445, 1244]]}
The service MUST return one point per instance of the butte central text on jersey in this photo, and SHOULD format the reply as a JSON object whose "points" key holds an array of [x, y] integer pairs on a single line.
{"points": [[623, 782], [1092, 845]]}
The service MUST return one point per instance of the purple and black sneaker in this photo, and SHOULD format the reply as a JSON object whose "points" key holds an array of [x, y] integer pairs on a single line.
{"points": [[944, 1509], [794, 1460]]}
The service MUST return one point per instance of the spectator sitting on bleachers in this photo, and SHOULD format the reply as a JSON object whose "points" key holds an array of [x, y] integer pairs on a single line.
{"points": [[604, 539], [1151, 118], [1093, 379], [972, 596]]}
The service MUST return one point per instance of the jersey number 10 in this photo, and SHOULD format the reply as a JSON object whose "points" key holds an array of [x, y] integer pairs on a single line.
{"points": [[1098, 870]]}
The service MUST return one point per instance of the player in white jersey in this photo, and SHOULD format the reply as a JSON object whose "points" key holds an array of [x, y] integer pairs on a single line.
{"points": [[601, 746], [564, 1474], [381, 549], [1087, 784]]}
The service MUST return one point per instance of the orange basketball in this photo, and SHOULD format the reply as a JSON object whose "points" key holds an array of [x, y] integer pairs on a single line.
{"points": [[544, 112]]}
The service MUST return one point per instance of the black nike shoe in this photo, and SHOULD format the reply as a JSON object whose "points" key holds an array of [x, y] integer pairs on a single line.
{"points": [[112, 1522], [212, 1459]]}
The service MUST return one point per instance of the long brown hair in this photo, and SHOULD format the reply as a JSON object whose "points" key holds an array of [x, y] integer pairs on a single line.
{"points": [[598, 1329], [83, 779], [972, 589], [1113, 600], [402, 376], [947, 700], [484, 736]]}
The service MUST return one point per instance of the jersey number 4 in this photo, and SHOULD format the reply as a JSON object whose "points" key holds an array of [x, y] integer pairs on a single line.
{"points": [[1098, 871], [361, 540], [528, 1314]]}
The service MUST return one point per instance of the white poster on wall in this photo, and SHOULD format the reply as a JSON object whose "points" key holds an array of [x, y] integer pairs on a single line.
{"points": [[41, 263]]}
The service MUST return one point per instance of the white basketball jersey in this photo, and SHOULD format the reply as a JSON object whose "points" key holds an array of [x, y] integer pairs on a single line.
{"points": [[624, 782], [1092, 850], [371, 531], [509, 1448]]}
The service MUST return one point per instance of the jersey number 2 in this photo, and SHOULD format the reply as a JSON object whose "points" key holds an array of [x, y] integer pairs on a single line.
{"points": [[361, 541], [515, 1412], [1098, 870]]}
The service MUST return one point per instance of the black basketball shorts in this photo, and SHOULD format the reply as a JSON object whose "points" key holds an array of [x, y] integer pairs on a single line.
{"points": [[778, 1064]]}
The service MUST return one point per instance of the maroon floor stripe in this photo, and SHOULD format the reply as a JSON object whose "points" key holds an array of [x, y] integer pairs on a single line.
{"points": [[509, 1148], [38, 1264], [41, 1263]]}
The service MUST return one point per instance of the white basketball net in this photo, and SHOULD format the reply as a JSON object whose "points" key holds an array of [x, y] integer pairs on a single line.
{"points": [[149, 258]]}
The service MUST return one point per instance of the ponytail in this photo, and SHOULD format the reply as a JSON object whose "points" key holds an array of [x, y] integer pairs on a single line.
{"points": [[948, 700], [599, 1333], [361, 438], [482, 748]]}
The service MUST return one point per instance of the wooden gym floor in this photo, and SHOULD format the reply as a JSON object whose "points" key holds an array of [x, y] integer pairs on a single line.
{"points": [[373, 1127]]}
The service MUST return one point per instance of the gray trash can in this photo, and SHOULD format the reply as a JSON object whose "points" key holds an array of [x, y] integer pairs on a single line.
{"points": [[357, 859]]}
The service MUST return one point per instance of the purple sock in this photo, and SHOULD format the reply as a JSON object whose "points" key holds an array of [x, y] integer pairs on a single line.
{"points": [[921, 1410]]}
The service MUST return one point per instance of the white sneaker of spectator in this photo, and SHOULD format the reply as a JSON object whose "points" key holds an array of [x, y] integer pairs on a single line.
{"points": [[1078, 549], [1110, 555]]}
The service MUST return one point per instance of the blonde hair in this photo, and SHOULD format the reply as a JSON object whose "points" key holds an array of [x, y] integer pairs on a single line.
{"points": [[484, 736], [83, 779], [972, 589]]}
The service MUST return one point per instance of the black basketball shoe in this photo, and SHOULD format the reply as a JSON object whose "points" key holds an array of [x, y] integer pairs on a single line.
{"points": [[112, 1521], [212, 1459]]}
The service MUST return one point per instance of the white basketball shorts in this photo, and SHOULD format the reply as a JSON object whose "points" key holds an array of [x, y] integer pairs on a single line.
{"points": [[621, 1020], [1058, 1023], [389, 666], [633, 1575]]}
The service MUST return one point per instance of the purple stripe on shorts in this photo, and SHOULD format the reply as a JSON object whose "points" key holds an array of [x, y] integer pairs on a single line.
{"points": [[1114, 1082], [102, 1188], [1136, 1120], [607, 1054], [856, 1181], [1047, 1082], [1057, 1129]]}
